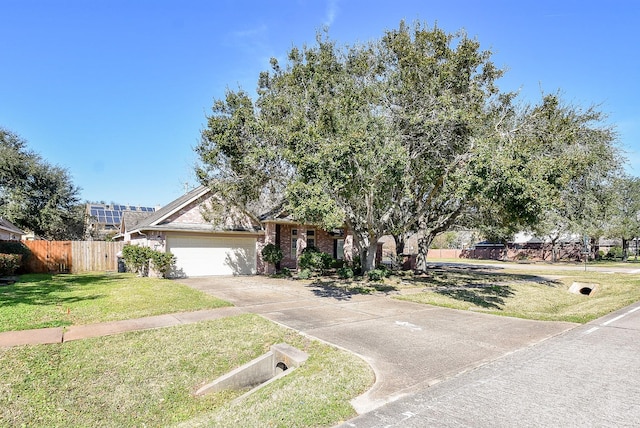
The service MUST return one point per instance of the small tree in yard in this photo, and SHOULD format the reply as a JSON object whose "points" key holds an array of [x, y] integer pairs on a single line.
{"points": [[271, 253]]}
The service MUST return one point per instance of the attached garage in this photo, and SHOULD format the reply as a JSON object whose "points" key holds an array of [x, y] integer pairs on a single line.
{"points": [[202, 255]]}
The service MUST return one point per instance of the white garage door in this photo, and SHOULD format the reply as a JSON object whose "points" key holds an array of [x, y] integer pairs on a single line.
{"points": [[205, 255]]}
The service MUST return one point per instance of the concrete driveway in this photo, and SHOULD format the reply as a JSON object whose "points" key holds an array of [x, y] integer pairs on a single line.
{"points": [[408, 345]]}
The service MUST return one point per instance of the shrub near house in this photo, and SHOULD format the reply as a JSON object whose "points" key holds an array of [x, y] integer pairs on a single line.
{"points": [[137, 259], [9, 263], [11, 256]]}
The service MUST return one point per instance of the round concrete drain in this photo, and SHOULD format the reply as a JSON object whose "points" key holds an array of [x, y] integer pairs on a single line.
{"points": [[584, 288]]}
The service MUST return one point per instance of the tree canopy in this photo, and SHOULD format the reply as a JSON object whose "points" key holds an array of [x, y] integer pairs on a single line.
{"points": [[35, 195], [407, 133]]}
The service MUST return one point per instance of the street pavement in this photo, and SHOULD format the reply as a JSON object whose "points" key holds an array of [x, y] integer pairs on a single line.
{"points": [[586, 377]]}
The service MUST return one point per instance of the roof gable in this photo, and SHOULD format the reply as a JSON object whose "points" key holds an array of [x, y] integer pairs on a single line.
{"points": [[10, 227], [172, 207], [189, 213]]}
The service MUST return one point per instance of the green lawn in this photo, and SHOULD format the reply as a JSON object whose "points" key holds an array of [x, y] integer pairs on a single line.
{"points": [[39, 301], [529, 295], [540, 294], [148, 378]]}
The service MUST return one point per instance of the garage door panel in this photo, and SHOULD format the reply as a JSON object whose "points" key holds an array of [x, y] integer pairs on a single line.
{"points": [[200, 256]]}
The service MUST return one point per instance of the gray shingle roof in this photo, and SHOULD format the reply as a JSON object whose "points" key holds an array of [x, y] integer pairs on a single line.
{"points": [[7, 225], [130, 219], [169, 209]]}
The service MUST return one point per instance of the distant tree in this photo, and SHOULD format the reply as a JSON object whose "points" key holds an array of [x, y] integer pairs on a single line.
{"points": [[625, 219], [35, 195], [584, 162]]}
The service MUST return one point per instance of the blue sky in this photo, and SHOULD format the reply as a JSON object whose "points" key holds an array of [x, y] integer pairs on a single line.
{"points": [[118, 91]]}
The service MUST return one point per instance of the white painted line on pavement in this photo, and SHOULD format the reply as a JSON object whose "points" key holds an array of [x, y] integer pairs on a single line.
{"points": [[621, 316], [412, 327], [614, 319], [591, 330]]}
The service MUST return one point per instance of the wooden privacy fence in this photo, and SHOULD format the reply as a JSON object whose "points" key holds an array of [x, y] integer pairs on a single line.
{"points": [[95, 255], [71, 256]]}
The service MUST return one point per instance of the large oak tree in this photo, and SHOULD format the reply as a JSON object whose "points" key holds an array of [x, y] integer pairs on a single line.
{"points": [[408, 133]]}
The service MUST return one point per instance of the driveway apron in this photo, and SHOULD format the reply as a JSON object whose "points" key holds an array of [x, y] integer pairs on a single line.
{"points": [[409, 346]]}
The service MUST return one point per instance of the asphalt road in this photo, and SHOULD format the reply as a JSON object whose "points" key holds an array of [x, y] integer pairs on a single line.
{"points": [[586, 377]]}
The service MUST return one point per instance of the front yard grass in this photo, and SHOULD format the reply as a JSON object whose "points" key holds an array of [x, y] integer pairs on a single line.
{"points": [[148, 378], [540, 294], [40, 300]]}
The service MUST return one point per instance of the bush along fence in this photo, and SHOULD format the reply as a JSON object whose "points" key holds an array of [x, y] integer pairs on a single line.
{"points": [[143, 260], [61, 256]]}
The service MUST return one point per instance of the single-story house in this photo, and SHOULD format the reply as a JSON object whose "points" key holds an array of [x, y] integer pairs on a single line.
{"points": [[292, 237], [229, 246], [9, 231]]}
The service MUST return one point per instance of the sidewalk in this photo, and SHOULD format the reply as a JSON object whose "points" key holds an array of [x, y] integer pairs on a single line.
{"points": [[75, 332]]}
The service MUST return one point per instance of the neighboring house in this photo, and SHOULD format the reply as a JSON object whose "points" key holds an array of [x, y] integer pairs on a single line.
{"points": [[228, 247], [9, 231], [104, 219]]}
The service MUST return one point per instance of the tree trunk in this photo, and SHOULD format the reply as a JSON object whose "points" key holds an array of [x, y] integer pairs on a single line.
{"points": [[625, 249], [400, 240], [367, 247], [595, 248], [424, 242], [371, 256]]}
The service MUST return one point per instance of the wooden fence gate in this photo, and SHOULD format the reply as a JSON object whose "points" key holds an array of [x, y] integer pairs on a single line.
{"points": [[71, 256]]}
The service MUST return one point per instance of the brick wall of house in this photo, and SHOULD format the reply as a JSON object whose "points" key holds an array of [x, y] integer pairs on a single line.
{"points": [[324, 241], [290, 259], [261, 266], [189, 214]]}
